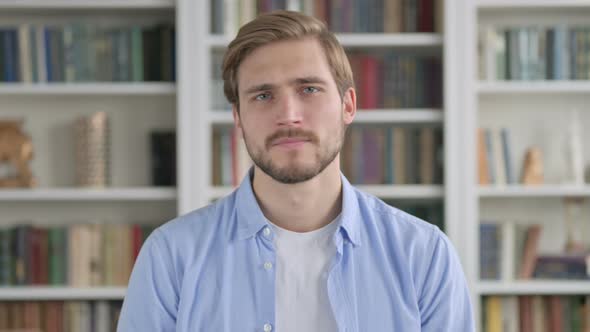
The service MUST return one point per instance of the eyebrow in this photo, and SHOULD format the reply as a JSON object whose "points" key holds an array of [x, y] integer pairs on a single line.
{"points": [[296, 81]]}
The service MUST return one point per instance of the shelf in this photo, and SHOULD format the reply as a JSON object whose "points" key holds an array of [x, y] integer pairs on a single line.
{"points": [[24, 293], [379, 116], [381, 191], [366, 40], [533, 4], [403, 191], [81, 194], [534, 287], [534, 191], [138, 88], [85, 4], [534, 87]]}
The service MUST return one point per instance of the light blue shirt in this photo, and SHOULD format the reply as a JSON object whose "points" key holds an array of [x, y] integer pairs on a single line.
{"points": [[213, 270]]}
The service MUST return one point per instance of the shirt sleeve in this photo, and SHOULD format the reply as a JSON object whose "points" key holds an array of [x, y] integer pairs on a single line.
{"points": [[444, 302], [151, 300]]}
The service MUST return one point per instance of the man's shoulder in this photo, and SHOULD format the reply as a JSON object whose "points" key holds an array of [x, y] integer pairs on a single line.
{"points": [[393, 221], [198, 225]]}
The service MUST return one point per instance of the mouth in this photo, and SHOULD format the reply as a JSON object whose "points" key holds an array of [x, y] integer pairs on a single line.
{"points": [[290, 142]]}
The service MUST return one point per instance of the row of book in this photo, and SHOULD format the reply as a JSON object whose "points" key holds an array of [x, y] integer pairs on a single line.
{"points": [[393, 155], [370, 155], [78, 255], [535, 53], [230, 159], [59, 316], [82, 52], [378, 16], [495, 163], [510, 251], [535, 313], [393, 80], [382, 80], [389, 16]]}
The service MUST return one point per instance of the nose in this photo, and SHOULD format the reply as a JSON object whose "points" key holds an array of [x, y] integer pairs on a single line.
{"points": [[289, 112]]}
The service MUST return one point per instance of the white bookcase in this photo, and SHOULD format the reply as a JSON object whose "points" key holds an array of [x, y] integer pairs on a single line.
{"points": [[536, 113], [186, 106], [49, 111]]}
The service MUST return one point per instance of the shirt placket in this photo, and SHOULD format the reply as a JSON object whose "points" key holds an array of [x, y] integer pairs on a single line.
{"points": [[266, 282]]}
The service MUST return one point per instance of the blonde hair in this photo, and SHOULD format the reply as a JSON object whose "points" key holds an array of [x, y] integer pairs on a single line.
{"points": [[279, 26]]}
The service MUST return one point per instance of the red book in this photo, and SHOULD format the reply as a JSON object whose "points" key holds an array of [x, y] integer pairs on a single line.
{"points": [[35, 256], [137, 240], [426, 16], [525, 311], [43, 237], [555, 314], [369, 82]]}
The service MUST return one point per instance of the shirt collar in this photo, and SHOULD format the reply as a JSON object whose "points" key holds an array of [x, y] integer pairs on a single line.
{"points": [[250, 219]]}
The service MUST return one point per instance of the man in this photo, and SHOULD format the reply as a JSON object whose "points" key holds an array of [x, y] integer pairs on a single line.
{"points": [[295, 247]]}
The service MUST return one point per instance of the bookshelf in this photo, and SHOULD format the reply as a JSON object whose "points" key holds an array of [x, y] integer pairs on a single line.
{"points": [[49, 109], [535, 112], [186, 106]]}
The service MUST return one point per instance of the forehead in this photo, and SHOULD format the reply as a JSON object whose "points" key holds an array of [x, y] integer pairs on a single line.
{"points": [[284, 61]]}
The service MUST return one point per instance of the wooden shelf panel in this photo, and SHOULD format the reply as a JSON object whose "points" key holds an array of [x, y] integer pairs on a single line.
{"points": [[80, 194], [366, 40], [534, 287], [139, 88], [36, 293]]}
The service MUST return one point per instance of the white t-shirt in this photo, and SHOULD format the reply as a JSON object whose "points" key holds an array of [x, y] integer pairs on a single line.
{"points": [[302, 263]]}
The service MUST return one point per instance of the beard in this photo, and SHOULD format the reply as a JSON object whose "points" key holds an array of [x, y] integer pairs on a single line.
{"points": [[296, 171]]}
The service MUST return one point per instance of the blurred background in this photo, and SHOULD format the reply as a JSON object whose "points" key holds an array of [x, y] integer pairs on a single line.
{"points": [[471, 116]]}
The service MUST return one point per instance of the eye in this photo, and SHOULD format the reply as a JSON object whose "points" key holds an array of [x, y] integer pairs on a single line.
{"points": [[262, 96], [310, 89]]}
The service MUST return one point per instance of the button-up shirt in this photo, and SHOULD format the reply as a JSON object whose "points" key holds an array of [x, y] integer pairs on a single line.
{"points": [[213, 270]]}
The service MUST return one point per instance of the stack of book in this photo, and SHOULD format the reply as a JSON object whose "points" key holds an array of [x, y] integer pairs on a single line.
{"points": [[56, 316], [533, 313], [81, 52], [79, 255], [534, 53], [393, 155], [388, 16]]}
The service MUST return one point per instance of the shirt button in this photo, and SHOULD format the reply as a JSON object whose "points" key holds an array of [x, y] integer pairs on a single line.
{"points": [[266, 231], [267, 327], [268, 265]]}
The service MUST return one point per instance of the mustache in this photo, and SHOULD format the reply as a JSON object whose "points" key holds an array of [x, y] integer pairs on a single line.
{"points": [[291, 132]]}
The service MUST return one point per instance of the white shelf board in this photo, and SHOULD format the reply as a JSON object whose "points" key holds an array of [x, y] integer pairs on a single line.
{"points": [[114, 88], [533, 287], [85, 4], [381, 191], [404, 191], [366, 40], [82, 194], [534, 191], [364, 116], [512, 4], [533, 87], [23, 293]]}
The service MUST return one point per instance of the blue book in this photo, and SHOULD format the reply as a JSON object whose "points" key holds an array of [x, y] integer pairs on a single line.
{"points": [[48, 59], [10, 47], [389, 164], [510, 176]]}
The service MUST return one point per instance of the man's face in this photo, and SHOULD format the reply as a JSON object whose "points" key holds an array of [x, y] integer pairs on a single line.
{"points": [[291, 115]]}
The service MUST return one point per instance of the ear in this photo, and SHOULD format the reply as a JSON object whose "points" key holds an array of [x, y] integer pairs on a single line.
{"points": [[349, 105], [237, 122]]}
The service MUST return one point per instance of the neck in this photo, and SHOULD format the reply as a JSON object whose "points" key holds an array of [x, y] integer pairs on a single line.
{"points": [[301, 207]]}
